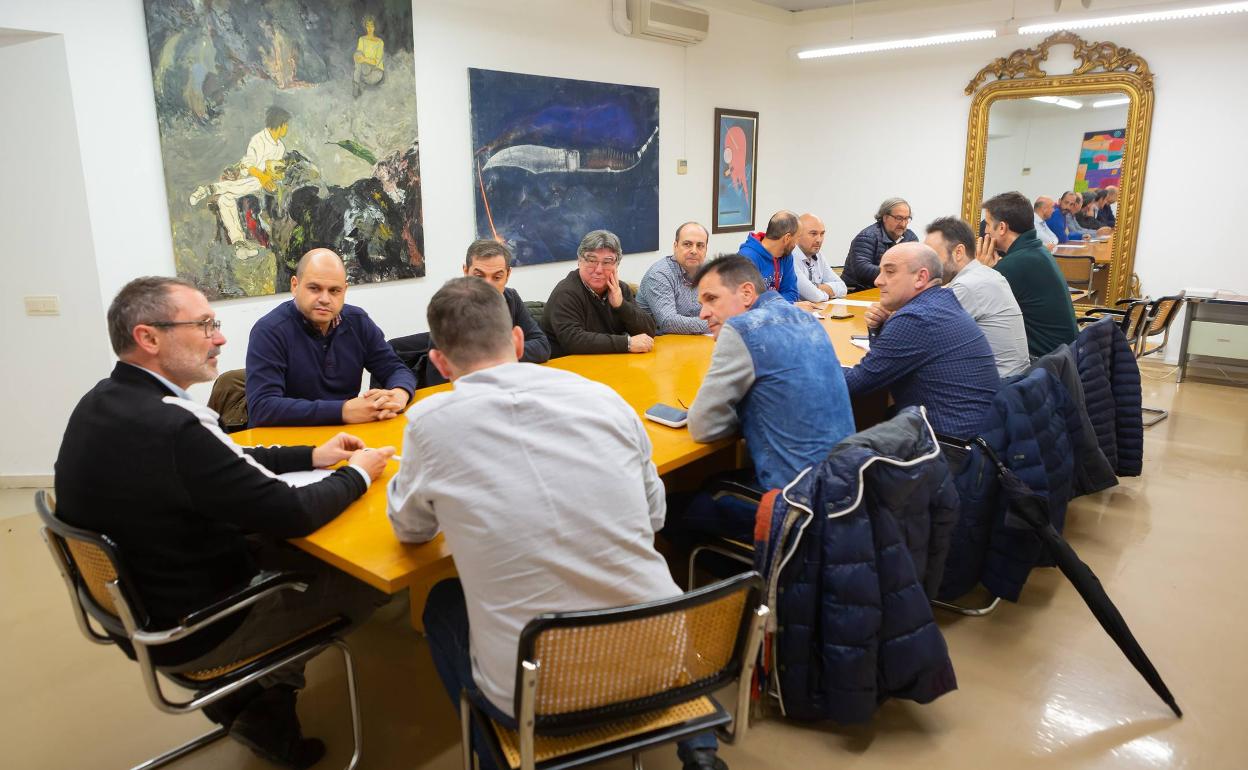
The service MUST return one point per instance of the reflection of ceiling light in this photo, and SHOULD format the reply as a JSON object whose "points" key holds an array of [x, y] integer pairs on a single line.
{"points": [[1111, 102], [1059, 101], [889, 45], [1134, 18]]}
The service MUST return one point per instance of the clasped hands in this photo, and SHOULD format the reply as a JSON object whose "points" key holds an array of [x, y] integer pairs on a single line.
{"points": [[375, 404], [344, 446]]}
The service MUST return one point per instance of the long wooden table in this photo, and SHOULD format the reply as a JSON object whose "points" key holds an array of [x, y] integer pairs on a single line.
{"points": [[361, 542]]}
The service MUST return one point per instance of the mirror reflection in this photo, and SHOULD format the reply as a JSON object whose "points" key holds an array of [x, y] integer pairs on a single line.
{"points": [[1064, 152]]}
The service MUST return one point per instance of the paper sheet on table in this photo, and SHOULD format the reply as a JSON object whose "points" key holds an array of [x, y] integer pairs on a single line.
{"points": [[864, 344], [855, 302], [304, 478]]}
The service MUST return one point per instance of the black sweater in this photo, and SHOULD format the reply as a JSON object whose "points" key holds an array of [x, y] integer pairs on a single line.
{"points": [[578, 321], [156, 474]]}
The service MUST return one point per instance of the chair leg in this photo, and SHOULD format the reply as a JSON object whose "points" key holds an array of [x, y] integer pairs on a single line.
{"points": [[354, 700], [974, 612], [693, 559], [465, 730], [183, 750], [637, 762], [1161, 415]]}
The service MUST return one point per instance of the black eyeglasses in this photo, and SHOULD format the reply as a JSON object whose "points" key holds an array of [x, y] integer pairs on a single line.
{"points": [[210, 326]]}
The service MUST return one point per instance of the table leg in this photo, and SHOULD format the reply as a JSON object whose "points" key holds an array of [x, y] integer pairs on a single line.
{"points": [[1188, 312]]}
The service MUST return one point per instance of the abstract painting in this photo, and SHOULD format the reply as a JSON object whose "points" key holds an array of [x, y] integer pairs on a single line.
{"points": [[555, 158], [1100, 160], [287, 125], [736, 171]]}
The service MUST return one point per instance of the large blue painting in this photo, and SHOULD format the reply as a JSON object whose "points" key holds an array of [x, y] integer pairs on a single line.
{"points": [[554, 158]]}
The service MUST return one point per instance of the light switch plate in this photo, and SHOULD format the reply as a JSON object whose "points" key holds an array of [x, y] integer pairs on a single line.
{"points": [[43, 304]]}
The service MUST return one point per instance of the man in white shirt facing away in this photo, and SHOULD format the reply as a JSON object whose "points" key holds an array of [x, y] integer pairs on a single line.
{"points": [[543, 484]]}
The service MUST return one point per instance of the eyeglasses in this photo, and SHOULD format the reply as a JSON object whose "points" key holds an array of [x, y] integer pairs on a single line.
{"points": [[899, 219], [595, 262], [210, 326]]}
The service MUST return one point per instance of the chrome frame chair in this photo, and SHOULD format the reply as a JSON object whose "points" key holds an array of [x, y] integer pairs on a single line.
{"points": [[1161, 314], [100, 590], [591, 728], [1079, 281]]}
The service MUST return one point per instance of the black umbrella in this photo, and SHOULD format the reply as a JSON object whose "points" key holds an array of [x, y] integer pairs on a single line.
{"points": [[1031, 509]]}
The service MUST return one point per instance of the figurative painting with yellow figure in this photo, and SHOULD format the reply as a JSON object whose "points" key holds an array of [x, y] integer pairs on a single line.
{"points": [[287, 125]]}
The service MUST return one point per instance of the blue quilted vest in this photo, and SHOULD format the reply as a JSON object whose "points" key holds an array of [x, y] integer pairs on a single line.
{"points": [[798, 407]]}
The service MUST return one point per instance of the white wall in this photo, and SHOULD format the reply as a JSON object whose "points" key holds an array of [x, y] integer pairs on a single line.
{"points": [[1043, 138], [48, 361]]}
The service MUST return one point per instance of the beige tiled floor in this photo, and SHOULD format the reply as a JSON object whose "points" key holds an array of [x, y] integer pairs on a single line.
{"points": [[1041, 684]]}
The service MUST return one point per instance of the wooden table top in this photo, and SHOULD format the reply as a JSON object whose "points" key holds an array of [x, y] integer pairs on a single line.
{"points": [[1101, 251], [360, 540]]}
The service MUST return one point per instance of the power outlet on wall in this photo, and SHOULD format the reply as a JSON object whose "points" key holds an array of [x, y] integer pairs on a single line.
{"points": [[682, 166], [43, 304]]}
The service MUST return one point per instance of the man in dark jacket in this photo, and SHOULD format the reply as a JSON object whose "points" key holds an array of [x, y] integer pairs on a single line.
{"points": [[862, 264], [145, 465], [592, 310], [1011, 246], [1106, 199], [491, 261]]}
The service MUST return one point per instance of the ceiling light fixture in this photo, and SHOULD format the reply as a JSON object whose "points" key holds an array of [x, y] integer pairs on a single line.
{"points": [[1111, 102], [890, 45], [1069, 104], [1135, 18]]}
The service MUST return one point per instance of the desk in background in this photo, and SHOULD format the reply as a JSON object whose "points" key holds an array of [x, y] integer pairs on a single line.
{"points": [[1215, 333], [360, 541]]}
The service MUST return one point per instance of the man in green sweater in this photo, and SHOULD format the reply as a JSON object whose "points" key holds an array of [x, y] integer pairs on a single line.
{"points": [[1010, 245]]}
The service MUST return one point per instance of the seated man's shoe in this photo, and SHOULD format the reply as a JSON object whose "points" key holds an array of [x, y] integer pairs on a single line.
{"points": [[705, 759], [270, 728], [245, 250], [199, 194]]}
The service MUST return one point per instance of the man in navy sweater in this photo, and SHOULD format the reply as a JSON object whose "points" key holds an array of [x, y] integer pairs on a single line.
{"points": [[306, 358]]}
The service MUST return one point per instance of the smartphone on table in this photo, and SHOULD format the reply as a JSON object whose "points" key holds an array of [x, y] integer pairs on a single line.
{"points": [[667, 415]]}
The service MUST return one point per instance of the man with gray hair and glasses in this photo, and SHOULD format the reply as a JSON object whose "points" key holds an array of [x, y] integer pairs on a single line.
{"points": [[144, 464], [532, 535], [891, 227], [592, 310], [925, 349]]}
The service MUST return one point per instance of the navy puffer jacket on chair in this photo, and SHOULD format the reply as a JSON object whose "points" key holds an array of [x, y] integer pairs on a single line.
{"points": [[847, 549], [1111, 389], [1034, 428]]}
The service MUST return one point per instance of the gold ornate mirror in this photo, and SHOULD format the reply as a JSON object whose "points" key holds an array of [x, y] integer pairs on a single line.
{"points": [[1045, 134]]}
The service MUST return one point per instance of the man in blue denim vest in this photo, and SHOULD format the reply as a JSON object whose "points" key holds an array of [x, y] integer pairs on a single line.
{"points": [[775, 376]]}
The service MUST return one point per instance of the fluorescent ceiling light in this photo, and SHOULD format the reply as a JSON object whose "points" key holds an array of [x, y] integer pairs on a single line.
{"points": [[1135, 18], [889, 45], [1111, 102], [1070, 104]]}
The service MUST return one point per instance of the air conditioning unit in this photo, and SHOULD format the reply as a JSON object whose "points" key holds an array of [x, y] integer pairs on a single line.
{"points": [[667, 21]]}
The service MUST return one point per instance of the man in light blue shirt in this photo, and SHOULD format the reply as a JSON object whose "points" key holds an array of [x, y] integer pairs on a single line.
{"points": [[1043, 208], [816, 280]]}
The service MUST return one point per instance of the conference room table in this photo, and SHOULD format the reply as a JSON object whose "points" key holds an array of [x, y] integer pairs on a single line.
{"points": [[361, 542], [1102, 253]]}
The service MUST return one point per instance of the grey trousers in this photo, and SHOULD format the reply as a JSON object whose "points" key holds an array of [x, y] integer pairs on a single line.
{"points": [[279, 617]]}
